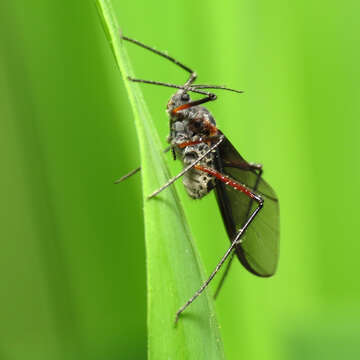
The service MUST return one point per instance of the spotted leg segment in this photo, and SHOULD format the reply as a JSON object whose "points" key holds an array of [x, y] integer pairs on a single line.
{"points": [[237, 186], [247, 166]]}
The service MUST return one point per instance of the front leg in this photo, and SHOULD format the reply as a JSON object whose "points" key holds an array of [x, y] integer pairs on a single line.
{"points": [[171, 181]]}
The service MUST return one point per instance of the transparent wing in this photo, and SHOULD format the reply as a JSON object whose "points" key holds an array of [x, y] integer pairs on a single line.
{"points": [[259, 250]]}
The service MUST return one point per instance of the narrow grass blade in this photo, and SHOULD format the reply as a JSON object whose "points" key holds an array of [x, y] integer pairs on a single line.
{"points": [[174, 271]]}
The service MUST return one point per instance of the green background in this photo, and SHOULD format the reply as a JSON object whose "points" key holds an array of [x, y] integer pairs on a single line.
{"points": [[72, 257]]}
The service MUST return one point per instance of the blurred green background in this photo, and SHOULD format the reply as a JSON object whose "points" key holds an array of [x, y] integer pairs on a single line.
{"points": [[72, 258]]}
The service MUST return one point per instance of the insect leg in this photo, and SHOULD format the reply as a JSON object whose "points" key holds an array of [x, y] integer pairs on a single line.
{"points": [[133, 172], [172, 180], [209, 97], [129, 174], [247, 166], [237, 240], [193, 74], [224, 275]]}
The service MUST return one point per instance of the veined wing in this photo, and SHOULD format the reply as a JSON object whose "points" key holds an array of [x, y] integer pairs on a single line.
{"points": [[259, 250]]}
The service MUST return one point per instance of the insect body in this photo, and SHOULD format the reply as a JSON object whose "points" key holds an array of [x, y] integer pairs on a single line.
{"points": [[188, 128], [248, 205]]}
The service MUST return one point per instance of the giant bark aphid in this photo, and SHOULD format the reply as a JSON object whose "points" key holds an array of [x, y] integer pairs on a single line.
{"points": [[248, 205]]}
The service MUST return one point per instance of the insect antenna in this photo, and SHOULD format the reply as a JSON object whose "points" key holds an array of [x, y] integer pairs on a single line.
{"points": [[216, 87], [188, 84], [185, 87]]}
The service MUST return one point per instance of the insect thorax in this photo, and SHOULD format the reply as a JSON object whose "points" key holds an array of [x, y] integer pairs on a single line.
{"points": [[197, 183]]}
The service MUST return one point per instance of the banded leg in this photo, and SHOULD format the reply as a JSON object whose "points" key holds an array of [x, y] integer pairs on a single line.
{"points": [[248, 166], [252, 195], [192, 77], [224, 275], [172, 180], [193, 74]]}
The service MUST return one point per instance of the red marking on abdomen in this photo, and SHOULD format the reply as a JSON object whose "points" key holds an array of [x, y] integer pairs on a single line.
{"points": [[189, 143], [226, 180], [207, 140]]}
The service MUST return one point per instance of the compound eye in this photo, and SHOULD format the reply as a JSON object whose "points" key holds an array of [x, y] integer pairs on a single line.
{"points": [[185, 97]]}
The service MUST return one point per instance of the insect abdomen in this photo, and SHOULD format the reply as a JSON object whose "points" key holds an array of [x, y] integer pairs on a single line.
{"points": [[196, 182]]}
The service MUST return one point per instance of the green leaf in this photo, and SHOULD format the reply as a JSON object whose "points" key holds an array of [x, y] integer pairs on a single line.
{"points": [[174, 270]]}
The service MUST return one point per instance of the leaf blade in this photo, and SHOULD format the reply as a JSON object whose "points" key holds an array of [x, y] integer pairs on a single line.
{"points": [[174, 269]]}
